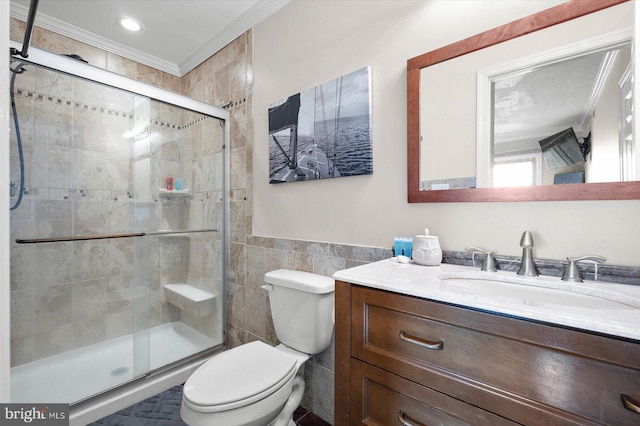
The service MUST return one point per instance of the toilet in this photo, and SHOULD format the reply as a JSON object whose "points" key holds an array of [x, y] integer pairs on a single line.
{"points": [[256, 384]]}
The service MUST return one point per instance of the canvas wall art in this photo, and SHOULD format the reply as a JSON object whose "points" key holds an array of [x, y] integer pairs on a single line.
{"points": [[323, 132]]}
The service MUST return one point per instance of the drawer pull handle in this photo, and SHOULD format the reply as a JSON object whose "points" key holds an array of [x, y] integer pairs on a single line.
{"points": [[435, 346], [408, 421], [630, 404]]}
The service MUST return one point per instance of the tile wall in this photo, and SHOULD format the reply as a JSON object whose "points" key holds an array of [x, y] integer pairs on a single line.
{"points": [[249, 307], [77, 182], [87, 174], [193, 259]]}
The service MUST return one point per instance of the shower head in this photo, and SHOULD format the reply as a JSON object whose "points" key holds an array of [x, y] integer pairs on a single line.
{"points": [[76, 57]]}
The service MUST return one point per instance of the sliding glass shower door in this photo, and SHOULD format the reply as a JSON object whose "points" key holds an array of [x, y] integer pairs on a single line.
{"points": [[117, 249]]}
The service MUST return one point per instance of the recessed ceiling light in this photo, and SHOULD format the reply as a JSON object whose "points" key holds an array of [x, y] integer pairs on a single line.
{"points": [[131, 24]]}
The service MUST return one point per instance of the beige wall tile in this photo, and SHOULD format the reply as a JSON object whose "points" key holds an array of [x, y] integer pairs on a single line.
{"points": [[56, 43], [16, 30]]}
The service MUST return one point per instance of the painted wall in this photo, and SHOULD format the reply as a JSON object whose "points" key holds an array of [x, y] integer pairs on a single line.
{"points": [[310, 42]]}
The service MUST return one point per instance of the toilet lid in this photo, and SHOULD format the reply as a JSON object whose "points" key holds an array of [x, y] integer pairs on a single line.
{"points": [[238, 375]]}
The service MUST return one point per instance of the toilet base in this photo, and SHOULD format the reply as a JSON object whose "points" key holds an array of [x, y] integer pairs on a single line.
{"points": [[285, 418]]}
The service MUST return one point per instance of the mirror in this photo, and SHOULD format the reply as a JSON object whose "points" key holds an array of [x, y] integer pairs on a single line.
{"points": [[467, 147]]}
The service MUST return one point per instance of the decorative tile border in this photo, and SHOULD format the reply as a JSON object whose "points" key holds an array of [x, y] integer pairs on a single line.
{"points": [[232, 104], [43, 97]]}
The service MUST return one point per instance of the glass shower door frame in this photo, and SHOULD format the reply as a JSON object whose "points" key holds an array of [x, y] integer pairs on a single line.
{"points": [[75, 68]]}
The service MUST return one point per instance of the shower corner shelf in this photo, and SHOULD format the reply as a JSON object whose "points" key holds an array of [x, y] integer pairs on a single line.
{"points": [[176, 192], [190, 299]]}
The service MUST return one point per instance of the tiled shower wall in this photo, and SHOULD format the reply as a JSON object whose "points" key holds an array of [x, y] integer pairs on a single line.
{"points": [[104, 306], [188, 146], [72, 176], [87, 174]]}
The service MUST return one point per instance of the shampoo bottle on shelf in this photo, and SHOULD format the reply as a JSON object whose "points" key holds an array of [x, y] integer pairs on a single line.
{"points": [[170, 183]]}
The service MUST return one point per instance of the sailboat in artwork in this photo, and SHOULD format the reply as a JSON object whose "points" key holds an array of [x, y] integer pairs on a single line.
{"points": [[298, 155]]}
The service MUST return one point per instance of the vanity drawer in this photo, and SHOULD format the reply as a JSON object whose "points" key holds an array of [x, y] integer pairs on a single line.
{"points": [[382, 398], [514, 368]]}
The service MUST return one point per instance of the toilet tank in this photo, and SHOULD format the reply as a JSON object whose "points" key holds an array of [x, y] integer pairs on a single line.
{"points": [[301, 308]]}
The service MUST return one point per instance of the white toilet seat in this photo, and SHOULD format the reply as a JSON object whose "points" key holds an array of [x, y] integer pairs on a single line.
{"points": [[238, 377]]}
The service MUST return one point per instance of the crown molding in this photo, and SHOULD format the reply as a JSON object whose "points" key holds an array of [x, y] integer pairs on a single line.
{"points": [[249, 19], [605, 70], [253, 16], [48, 23]]}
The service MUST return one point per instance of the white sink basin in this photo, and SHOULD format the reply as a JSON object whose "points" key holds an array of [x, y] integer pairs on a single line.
{"points": [[531, 295]]}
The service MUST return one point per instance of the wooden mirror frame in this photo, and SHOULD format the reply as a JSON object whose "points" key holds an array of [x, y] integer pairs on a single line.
{"points": [[538, 21]]}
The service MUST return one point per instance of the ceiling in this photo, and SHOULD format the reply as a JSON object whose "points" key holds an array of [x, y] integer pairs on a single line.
{"points": [[533, 104], [177, 35], [544, 101]]}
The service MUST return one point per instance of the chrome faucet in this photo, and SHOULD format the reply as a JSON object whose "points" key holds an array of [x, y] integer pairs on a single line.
{"points": [[527, 267]]}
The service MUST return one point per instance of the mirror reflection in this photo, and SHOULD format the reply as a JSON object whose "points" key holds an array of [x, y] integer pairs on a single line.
{"points": [[564, 122], [555, 110]]}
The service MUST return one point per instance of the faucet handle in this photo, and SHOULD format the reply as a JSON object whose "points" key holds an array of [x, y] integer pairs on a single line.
{"points": [[489, 263], [572, 273]]}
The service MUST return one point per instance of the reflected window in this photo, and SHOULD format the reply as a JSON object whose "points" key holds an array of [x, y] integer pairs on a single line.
{"points": [[517, 170]]}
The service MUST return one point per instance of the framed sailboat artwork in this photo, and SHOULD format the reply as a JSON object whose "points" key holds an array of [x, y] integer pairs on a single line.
{"points": [[323, 132]]}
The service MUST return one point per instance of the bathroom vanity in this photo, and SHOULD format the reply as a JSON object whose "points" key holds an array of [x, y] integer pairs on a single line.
{"points": [[414, 347]]}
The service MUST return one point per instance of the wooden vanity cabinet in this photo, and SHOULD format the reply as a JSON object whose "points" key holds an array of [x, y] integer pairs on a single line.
{"points": [[406, 360]]}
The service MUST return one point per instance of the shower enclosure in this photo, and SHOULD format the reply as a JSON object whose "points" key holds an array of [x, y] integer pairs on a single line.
{"points": [[118, 230]]}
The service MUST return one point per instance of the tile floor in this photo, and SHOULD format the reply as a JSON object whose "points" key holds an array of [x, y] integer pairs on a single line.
{"points": [[303, 417], [164, 410]]}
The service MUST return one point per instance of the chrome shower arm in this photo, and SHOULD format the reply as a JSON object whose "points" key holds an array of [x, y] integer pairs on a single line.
{"points": [[33, 8]]}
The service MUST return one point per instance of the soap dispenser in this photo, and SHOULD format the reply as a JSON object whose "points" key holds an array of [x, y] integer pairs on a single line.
{"points": [[426, 249]]}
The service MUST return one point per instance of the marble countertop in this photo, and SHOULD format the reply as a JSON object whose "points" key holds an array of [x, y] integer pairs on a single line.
{"points": [[608, 308]]}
